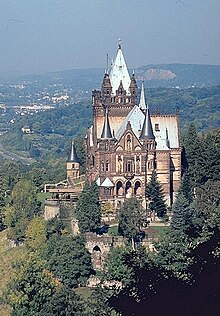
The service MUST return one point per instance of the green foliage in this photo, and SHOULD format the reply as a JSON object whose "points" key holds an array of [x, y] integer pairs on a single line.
{"points": [[203, 155], [24, 199], [117, 267], [186, 187], [88, 209], [54, 227], [30, 288], [130, 218], [98, 304], [64, 302], [24, 206], [182, 214], [35, 235], [155, 196], [68, 260]]}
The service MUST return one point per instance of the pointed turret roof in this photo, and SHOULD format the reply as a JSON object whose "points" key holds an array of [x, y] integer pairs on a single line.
{"points": [[119, 72], [106, 131], [147, 129], [142, 103], [73, 155]]}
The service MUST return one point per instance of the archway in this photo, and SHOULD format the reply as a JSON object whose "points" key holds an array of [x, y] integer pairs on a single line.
{"points": [[137, 188], [119, 188], [97, 257], [128, 189]]}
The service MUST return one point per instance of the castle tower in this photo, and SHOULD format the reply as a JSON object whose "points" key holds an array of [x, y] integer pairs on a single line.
{"points": [[72, 166], [148, 138]]}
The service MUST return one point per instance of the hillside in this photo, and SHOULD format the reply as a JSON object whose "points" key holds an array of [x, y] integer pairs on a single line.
{"points": [[53, 129]]}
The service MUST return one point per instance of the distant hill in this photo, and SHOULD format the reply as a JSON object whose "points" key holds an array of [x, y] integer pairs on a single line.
{"points": [[182, 75], [160, 75], [164, 75]]}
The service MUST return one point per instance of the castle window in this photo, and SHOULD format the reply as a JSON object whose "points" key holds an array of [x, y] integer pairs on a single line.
{"points": [[102, 166], [107, 91], [129, 166], [107, 166], [73, 166], [128, 142], [157, 128]]}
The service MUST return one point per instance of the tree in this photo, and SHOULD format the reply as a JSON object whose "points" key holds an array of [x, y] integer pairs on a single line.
{"points": [[186, 187], [63, 302], [31, 286], [88, 209], [68, 259], [35, 235], [116, 266], [130, 218], [54, 227], [98, 304], [24, 199], [155, 196], [182, 216], [24, 206]]}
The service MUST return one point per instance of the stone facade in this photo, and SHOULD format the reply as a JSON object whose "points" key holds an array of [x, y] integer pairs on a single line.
{"points": [[125, 143]]}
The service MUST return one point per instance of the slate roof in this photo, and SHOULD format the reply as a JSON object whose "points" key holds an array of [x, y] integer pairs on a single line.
{"points": [[119, 73]]}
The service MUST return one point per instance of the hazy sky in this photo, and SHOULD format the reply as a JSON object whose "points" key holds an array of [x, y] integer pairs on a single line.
{"points": [[50, 35]]}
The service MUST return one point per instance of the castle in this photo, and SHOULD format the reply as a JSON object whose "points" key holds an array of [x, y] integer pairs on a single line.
{"points": [[125, 143]]}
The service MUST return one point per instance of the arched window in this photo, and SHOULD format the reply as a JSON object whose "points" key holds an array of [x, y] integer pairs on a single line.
{"points": [[128, 187], [102, 166], [128, 140], [119, 188], [137, 188], [107, 166]]}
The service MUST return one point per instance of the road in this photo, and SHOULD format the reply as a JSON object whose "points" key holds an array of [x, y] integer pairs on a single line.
{"points": [[11, 156]]}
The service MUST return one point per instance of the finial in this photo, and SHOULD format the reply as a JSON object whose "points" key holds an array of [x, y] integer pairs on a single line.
{"points": [[119, 43]]}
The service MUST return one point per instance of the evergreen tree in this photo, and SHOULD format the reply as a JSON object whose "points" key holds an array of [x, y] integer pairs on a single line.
{"points": [[68, 259], [130, 218], [185, 187], [155, 196], [181, 214], [88, 209]]}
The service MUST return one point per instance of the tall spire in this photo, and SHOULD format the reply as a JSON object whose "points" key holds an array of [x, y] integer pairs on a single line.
{"points": [[106, 131], [73, 155], [119, 72], [147, 129], [142, 103]]}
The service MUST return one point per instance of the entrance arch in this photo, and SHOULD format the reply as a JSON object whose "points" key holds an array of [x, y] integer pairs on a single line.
{"points": [[97, 257]]}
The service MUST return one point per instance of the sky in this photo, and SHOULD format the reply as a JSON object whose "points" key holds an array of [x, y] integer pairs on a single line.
{"points": [[38, 36]]}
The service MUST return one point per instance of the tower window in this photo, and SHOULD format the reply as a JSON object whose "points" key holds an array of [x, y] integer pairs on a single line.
{"points": [[157, 127], [73, 166], [107, 166], [102, 166]]}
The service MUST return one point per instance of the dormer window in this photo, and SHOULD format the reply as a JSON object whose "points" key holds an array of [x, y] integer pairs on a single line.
{"points": [[157, 127]]}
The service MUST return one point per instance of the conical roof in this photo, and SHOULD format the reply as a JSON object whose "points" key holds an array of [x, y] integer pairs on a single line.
{"points": [[106, 131], [142, 103], [119, 73], [73, 155], [147, 129]]}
